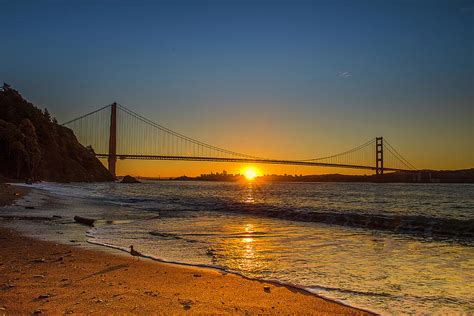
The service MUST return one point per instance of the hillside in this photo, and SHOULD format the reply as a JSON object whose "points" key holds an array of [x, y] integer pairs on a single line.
{"points": [[34, 147]]}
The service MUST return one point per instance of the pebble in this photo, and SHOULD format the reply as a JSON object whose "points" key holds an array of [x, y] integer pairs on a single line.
{"points": [[151, 293], [266, 289], [43, 296], [186, 304], [197, 275], [38, 311]]}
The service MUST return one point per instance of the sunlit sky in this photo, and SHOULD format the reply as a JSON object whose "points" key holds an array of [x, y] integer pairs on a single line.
{"points": [[280, 79]]}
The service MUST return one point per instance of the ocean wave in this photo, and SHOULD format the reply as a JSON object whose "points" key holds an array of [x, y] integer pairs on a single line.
{"points": [[424, 226], [461, 230]]}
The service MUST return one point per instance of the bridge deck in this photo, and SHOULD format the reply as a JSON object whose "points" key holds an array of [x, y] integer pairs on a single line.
{"points": [[248, 160]]}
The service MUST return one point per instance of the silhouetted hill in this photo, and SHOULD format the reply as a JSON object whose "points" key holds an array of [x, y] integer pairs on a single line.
{"points": [[423, 176], [33, 146]]}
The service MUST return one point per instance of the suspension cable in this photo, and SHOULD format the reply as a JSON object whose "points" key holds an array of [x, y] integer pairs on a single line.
{"points": [[165, 129], [86, 115]]}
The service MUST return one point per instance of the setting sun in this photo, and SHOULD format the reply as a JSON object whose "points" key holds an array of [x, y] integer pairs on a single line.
{"points": [[250, 173]]}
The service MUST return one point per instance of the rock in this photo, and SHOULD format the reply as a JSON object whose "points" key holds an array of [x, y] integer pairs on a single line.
{"points": [[266, 289], [38, 311], [85, 220], [129, 179], [43, 296], [39, 260]]}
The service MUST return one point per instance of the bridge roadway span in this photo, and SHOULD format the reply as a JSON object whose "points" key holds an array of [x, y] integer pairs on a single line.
{"points": [[246, 160]]}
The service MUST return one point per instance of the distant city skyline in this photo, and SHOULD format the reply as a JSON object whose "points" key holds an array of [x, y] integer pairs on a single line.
{"points": [[279, 79]]}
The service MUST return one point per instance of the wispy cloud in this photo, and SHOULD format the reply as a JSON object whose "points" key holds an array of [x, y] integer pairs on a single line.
{"points": [[344, 74]]}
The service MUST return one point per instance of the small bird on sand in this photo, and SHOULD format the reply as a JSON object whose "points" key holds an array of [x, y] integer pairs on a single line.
{"points": [[135, 253]]}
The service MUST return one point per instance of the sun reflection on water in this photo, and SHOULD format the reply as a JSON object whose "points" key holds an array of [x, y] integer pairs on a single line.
{"points": [[248, 241], [249, 197]]}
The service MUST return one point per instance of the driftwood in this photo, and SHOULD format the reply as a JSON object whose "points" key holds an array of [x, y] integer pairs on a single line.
{"points": [[84, 220]]}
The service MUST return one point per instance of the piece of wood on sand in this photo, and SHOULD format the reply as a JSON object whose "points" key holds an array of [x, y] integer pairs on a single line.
{"points": [[84, 220]]}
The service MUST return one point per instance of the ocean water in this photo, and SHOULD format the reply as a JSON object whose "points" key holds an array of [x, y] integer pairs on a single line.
{"points": [[388, 248]]}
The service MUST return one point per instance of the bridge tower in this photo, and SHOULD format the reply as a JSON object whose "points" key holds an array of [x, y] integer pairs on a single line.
{"points": [[112, 158], [379, 155]]}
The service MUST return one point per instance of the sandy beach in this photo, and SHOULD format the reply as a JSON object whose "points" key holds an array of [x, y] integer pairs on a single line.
{"points": [[46, 277]]}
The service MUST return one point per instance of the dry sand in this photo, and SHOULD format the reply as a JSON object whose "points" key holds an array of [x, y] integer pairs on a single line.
{"points": [[48, 278]]}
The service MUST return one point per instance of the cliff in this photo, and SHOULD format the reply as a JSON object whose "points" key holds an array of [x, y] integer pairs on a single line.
{"points": [[33, 146]]}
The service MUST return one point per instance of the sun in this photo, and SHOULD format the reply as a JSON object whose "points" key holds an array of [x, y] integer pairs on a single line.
{"points": [[250, 173]]}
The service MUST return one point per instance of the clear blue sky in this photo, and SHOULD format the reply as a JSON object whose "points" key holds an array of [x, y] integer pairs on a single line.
{"points": [[288, 79]]}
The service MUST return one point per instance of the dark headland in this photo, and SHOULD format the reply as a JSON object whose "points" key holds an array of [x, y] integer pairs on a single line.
{"points": [[34, 147]]}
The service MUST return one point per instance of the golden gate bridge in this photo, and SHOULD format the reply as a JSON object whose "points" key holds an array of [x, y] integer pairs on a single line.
{"points": [[116, 132]]}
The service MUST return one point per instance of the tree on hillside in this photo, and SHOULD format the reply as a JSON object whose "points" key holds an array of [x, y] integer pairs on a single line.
{"points": [[47, 115], [33, 157]]}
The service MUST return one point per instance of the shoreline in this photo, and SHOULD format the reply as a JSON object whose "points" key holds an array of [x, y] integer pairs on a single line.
{"points": [[290, 286], [21, 280], [38, 277]]}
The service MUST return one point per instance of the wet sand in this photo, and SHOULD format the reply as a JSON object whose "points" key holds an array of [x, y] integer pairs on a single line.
{"points": [[51, 278], [8, 193]]}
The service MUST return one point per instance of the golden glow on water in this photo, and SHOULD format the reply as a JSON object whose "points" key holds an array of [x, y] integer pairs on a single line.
{"points": [[249, 194], [247, 248], [249, 228], [248, 243]]}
